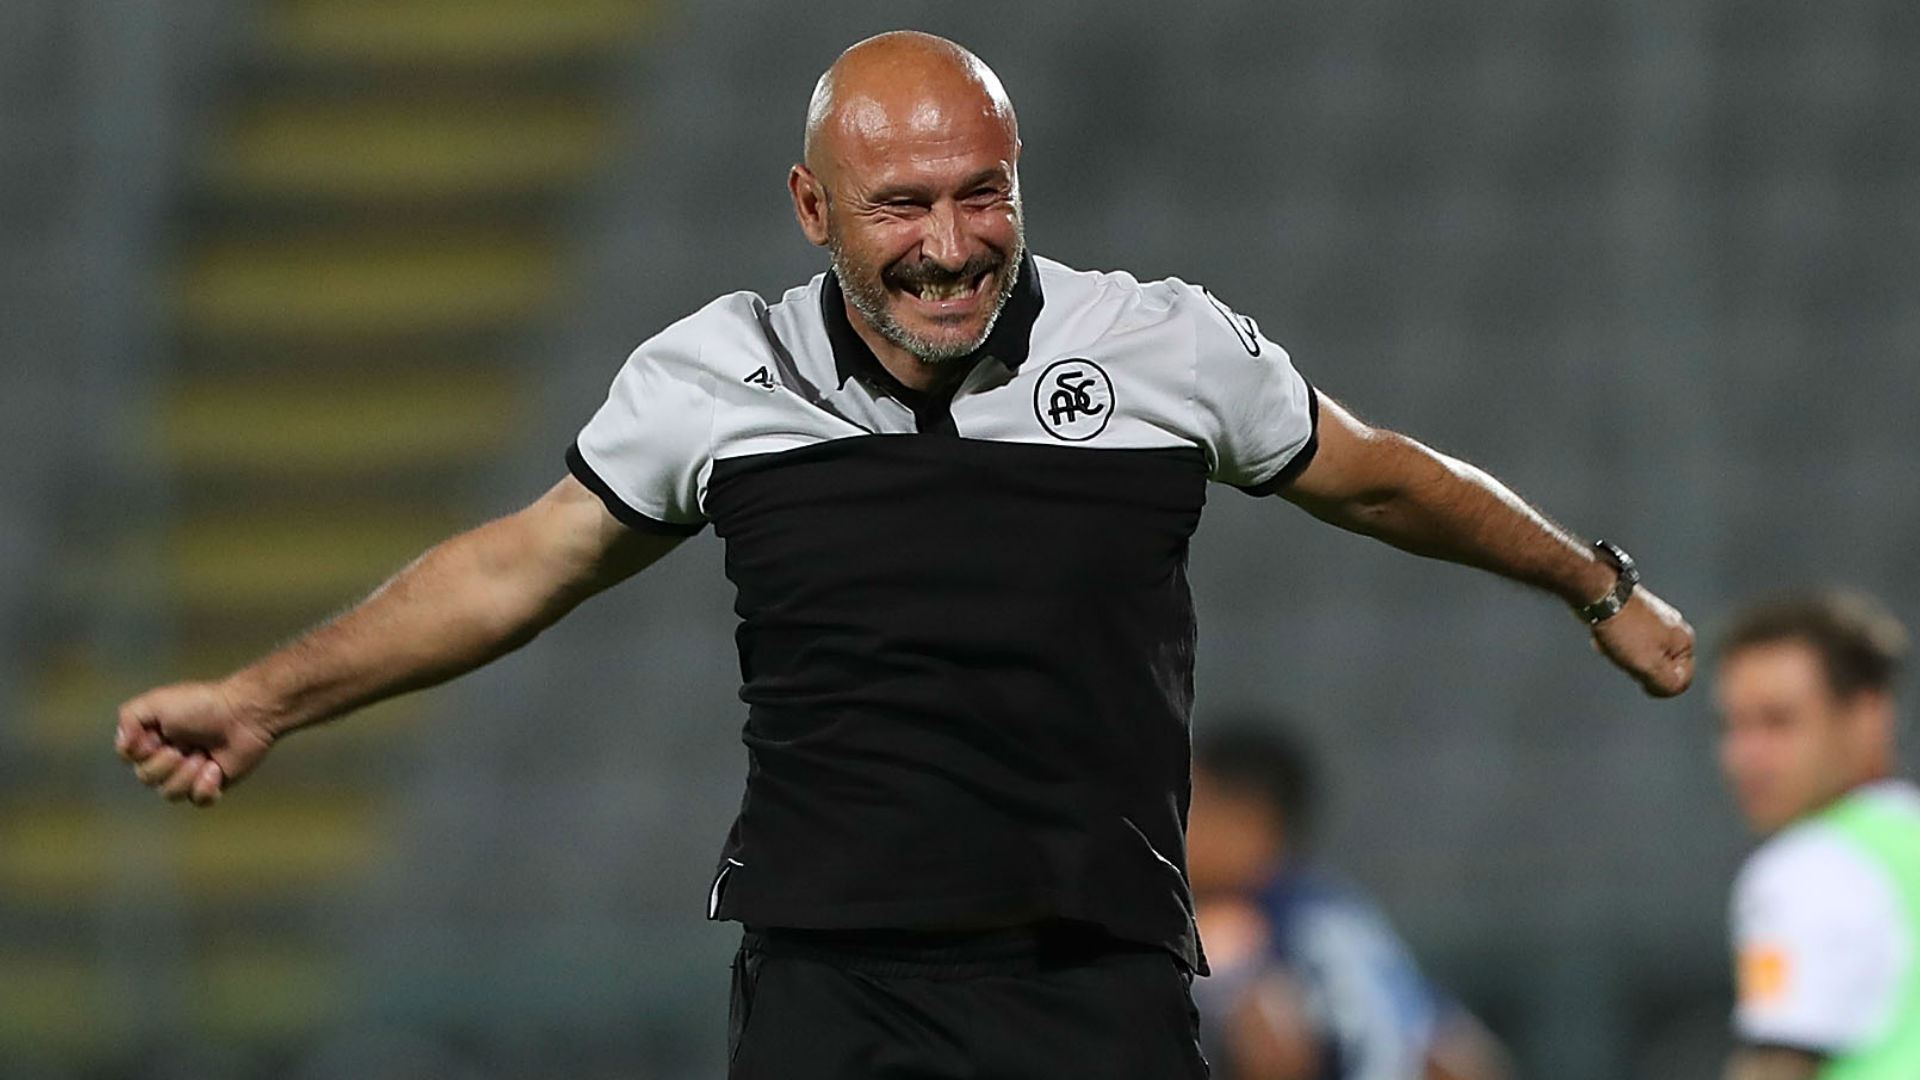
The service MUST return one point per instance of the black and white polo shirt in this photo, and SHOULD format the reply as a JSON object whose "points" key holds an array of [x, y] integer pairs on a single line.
{"points": [[966, 639]]}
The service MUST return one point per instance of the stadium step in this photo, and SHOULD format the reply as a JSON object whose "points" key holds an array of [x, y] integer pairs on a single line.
{"points": [[280, 847], [368, 236], [375, 284], [57, 1003], [442, 34], [381, 147], [69, 1004], [69, 709], [292, 425], [268, 563], [295, 557], [264, 993]]}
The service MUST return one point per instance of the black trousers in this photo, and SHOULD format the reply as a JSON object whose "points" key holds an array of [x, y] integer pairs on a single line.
{"points": [[1044, 1003]]}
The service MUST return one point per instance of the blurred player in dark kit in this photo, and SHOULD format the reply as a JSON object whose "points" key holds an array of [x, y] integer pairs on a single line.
{"points": [[1310, 981]]}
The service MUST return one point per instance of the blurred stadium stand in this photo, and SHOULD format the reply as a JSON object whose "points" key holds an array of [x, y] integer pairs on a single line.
{"points": [[295, 286], [319, 237]]}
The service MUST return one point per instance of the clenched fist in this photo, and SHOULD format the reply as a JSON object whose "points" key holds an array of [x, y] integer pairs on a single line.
{"points": [[1651, 642], [190, 740]]}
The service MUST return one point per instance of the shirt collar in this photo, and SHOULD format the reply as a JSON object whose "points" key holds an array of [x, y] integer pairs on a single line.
{"points": [[1009, 342]]}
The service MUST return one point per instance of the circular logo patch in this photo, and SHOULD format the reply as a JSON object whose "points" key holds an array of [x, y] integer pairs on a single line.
{"points": [[1073, 400]]}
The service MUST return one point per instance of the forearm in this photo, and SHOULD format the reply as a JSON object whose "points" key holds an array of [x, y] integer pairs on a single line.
{"points": [[467, 601], [1433, 505], [1389, 487], [463, 603]]}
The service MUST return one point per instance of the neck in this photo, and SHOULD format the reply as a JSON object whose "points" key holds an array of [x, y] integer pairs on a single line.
{"points": [[1869, 776]]}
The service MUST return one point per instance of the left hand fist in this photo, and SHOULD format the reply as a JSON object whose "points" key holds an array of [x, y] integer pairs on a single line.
{"points": [[1650, 641]]}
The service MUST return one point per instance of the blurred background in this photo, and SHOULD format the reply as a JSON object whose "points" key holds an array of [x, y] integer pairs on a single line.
{"points": [[293, 288]]}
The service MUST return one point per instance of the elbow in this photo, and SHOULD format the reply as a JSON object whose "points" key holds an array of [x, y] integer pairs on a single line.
{"points": [[1389, 478], [516, 592], [1376, 512], [1381, 487]]}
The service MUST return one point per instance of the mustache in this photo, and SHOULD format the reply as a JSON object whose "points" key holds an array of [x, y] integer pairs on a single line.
{"points": [[928, 272]]}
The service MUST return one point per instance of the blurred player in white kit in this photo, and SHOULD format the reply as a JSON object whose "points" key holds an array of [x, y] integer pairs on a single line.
{"points": [[1826, 913]]}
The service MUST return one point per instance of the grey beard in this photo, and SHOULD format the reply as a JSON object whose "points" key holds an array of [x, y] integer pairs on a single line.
{"points": [[869, 298]]}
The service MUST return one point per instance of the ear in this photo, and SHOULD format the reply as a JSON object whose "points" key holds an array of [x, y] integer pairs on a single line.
{"points": [[809, 203], [1874, 723]]}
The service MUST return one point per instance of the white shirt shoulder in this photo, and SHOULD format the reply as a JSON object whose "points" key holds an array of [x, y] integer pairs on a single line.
{"points": [[650, 445], [1215, 376], [1821, 940]]}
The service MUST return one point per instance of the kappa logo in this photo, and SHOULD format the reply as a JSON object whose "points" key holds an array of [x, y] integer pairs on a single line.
{"points": [[1244, 327], [761, 378], [1073, 399]]}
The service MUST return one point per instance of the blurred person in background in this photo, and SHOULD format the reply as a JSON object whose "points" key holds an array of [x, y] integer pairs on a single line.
{"points": [[1826, 912], [956, 483], [1310, 981]]}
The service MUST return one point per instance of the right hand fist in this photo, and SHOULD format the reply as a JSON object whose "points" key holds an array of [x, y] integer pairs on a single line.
{"points": [[190, 741], [1650, 641]]}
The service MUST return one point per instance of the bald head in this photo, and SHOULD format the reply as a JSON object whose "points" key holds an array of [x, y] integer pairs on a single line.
{"points": [[904, 83], [911, 181]]}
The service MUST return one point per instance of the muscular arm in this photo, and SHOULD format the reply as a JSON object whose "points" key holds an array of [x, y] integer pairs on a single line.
{"points": [[1389, 487], [465, 602], [1771, 1063]]}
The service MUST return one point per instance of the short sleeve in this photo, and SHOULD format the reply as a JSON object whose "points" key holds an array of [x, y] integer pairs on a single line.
{"points": [[1258, 416], [648, 450], [1819, 945]]}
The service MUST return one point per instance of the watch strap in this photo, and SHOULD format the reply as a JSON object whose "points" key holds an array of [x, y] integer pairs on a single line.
{"points": [[1627, 576]]}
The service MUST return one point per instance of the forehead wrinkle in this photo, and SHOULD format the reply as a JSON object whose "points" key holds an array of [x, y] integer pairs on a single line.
{"points": [[905, 84], [870, 143]]}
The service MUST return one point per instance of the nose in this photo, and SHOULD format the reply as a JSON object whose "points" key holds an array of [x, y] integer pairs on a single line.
{"points": [[944, 239]]}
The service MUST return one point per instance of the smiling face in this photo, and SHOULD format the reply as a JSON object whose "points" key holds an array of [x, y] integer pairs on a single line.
{"points": [[1789, 744], [912, 183], [930, 262]]}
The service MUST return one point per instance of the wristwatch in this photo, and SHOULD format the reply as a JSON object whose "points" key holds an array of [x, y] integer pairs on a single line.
{"points": [[1629, 575]]}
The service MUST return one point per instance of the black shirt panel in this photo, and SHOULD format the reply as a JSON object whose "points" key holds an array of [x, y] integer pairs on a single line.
{"points": [[967, 651], [969, 670]]}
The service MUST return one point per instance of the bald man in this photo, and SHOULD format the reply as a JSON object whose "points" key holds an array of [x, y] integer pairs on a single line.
{"points": [[956, 484]]}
